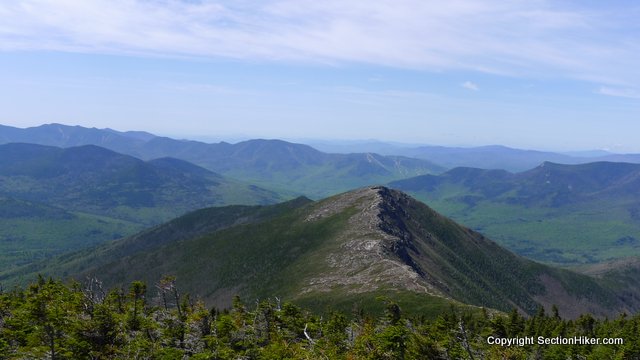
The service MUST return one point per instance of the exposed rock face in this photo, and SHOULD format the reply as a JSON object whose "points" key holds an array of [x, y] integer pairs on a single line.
{"points": [[374, 248]]}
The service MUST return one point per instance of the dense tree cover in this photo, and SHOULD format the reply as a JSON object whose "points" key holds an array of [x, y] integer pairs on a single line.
{"points": [[53, 320]]}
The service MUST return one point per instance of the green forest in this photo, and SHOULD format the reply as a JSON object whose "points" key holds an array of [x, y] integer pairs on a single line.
{"points": [[55, 320]]}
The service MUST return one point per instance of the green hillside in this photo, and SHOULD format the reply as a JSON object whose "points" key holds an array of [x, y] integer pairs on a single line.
{"points": [[96, 180], [54, 200], [351, 247], [554, 213]]}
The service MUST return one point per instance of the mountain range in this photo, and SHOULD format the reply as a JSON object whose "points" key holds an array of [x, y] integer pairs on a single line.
{"points": [[573, 219], [275, 164], [72, 197], [148, 146], [484, 157], [349, 248]]}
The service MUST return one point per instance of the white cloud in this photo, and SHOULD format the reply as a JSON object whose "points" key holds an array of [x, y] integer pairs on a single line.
{"points": [[620, 92], [471, 86], [538, 38]]}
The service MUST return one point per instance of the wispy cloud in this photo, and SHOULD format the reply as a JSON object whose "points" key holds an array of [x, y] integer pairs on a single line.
{"points": [[204, 88], [470, 86], [521, 38], [620, 92]]}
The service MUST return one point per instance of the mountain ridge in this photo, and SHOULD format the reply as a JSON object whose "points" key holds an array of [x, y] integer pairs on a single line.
{"points": [[358, 244]]}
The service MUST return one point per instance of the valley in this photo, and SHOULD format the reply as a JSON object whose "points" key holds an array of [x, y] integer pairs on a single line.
{"points": [[563, 214]]}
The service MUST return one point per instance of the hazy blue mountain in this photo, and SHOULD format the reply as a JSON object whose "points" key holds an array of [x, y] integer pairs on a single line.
{"points": [[138, 135], [360, 146], [68, 136], [632, 158], [137, 143], [484, 157], [350, 247], [556, 213], [490, 157], [300, 168], [274, 163], [588, 153], [510, 159]]}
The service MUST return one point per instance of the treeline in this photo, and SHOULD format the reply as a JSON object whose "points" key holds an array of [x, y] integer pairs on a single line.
{"points": [[53, 320]]}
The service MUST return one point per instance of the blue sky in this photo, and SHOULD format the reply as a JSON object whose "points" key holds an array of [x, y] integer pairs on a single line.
{"points": [[559, 75]]}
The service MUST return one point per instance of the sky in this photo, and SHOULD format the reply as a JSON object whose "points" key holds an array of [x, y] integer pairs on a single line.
{"points": [[549, 75]]}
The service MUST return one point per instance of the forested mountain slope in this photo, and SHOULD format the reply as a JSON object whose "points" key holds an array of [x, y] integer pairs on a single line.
{"points": [[354, 246], [54, 200]]}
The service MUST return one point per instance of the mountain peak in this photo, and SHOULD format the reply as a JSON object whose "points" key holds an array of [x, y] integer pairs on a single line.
{"points": [[393, 241], [374, 249]]}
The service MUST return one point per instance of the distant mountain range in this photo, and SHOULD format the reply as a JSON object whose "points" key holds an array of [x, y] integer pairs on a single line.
{"points": [[556, 213], [483, 157], [276, 164], [54, 199], [265, 161], [349, 248]]}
